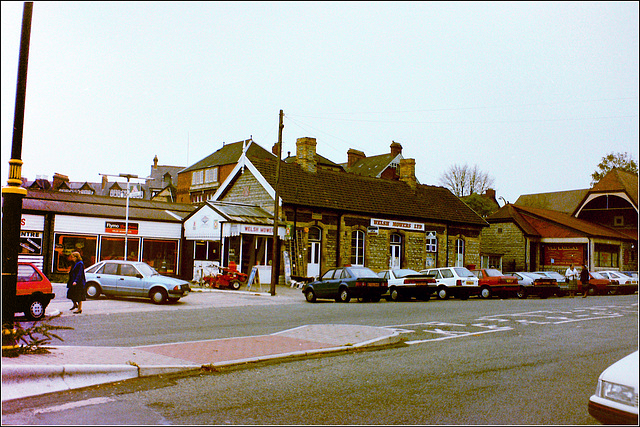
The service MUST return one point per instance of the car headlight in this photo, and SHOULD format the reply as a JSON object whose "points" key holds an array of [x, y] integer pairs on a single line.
{"points": [[618, 393]]}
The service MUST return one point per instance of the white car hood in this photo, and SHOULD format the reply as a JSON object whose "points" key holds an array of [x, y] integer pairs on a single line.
{"points": [[624, 371]]}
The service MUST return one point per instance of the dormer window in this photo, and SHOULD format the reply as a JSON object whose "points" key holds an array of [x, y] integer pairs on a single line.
{"points": [[618, 221]]}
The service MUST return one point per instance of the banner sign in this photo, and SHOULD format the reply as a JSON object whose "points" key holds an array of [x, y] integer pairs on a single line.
{"points": [[119, 227], [387, 223]]}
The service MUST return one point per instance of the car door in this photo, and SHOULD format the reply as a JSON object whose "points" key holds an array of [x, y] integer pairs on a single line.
{"points": [[322, 287], [107, 276], [129, 282]]}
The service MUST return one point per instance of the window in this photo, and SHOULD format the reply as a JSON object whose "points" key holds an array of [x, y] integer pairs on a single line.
{"points": [[606, 255], [211, 175], [618, 221], [161, 254], [446, 273], [432, 242], [113, 248], [357, 247], [128, 270], [67, 243], [197, 177], [395, 251]]}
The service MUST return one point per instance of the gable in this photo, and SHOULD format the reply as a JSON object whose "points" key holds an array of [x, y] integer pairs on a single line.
{"points": [[204, 223]]}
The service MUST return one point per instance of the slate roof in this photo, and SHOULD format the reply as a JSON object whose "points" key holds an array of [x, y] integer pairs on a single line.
{"points": [[321, 161], [101, 206], [563, 201], [371, 166], [550, 223], [328, 189], [230, 154]]}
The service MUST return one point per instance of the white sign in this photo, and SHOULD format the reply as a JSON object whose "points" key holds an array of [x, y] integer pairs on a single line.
{"points": [[265, 230], [387, 223]]}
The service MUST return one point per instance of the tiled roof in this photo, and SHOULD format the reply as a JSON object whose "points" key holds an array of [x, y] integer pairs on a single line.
{"points": [[563, 201], [327, 189], [551, 223], [618, 180], [321, 161], [230, 154]]}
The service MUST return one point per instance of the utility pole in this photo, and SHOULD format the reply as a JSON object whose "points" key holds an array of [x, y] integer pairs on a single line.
{"points": [[13, 193], [275, 265]]}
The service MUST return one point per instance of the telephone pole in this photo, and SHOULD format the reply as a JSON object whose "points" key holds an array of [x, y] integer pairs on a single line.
{"points": [[275, 265], [13, 193]]}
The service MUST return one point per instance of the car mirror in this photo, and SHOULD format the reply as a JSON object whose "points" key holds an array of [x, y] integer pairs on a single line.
{"points": [[139, 276]]}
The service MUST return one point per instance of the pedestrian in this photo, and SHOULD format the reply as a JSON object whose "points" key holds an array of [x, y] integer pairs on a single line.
{"points": [[584, 279], [76, 283], [572, 277]]}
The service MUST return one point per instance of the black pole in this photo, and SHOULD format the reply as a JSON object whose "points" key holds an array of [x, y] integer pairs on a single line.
{"points": [[13, 193], [275, 264]]}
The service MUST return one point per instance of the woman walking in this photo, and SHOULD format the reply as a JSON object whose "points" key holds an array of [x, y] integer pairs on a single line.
{"points": [[572, 277], [76, 283], [584, 279]]}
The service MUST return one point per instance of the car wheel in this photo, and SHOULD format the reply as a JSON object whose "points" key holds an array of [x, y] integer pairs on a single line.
{"points": [[93, 290], [393, 294], [158, 295], [235, 284], [309, 295], [485, 292], [36, 309], [522, 292], [343, 295], [443, 293]]}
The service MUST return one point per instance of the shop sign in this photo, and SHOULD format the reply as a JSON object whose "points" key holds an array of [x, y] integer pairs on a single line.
{"points": [[563, 254], [386, 223], [265, 230], [119, 227], [30, 243]]}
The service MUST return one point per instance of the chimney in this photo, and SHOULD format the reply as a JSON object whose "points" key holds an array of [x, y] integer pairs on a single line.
{"points": [[155, 162], [396, 148], [306, 154], [491, 193], [58, 179], [407, 172], [353, 156], [105, 180]]}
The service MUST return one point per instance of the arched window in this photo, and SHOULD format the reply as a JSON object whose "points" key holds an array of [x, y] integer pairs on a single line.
{"points": [[395, 249], [459, 253], [357, 248]]}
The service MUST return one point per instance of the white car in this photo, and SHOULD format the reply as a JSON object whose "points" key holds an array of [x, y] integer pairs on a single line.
{"points": [[616, 398], [456, 281], [407, 283], [535, 284], [622, 283]]}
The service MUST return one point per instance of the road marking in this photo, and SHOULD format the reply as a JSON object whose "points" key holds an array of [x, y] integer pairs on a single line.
{"points": [[73, 405]]}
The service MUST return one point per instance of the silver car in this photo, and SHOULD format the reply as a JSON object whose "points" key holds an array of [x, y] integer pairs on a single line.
{"points": [[133, 279]]}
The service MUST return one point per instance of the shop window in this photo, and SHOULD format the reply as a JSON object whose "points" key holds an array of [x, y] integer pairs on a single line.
{"points": [[357, 248], [67, 243], [207, 250], [113, 248], [160, 254], [606, 255]]}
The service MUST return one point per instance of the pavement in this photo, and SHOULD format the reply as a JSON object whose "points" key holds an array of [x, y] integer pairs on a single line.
{"points": [[71, 367]]}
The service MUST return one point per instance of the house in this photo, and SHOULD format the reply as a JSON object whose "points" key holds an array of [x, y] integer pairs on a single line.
{"points": [[381, 166], [199, 182], [549, 231], [333, 217]]}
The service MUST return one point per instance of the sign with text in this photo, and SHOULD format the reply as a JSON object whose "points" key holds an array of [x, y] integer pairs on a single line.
{"points": [[119, 227], [563, 254], [388, 223], [266, 230]]}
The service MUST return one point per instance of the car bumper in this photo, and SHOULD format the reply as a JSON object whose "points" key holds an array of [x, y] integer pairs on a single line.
{"points": [[182, 292], [504, 288], [540, 290], [611, 413]]}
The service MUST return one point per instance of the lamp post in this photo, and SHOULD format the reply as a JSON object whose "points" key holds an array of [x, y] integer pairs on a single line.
{"points": [[128, 176]]}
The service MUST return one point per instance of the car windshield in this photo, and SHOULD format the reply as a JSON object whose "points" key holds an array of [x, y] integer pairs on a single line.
{"points": [[362, 272], [533, 275], [404, 272], [597, 275], [463, 272], [552, 274], [146, 270]]}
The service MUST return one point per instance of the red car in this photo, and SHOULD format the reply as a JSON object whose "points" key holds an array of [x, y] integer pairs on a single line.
{"points": [[33, 291], [493, 282], [598, 284]]}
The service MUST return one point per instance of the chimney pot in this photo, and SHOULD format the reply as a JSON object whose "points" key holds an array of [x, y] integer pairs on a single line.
{"points": [[396, 148]]}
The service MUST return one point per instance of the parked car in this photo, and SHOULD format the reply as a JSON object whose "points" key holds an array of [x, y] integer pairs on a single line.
{"points": [[456, 281], [33, 291], [133, 279], [407, 283], [560, 279], [621, 283], [615, 400], [493, 282], [598, 284], [632, 274], [344, 283], [535, 284]]}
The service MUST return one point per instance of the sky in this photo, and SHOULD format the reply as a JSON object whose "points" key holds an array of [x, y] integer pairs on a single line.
{"points": [[534, 94]]}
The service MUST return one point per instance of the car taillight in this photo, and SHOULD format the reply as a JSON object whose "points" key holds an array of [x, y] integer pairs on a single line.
{"points": [[458, 282], [358, 284]]}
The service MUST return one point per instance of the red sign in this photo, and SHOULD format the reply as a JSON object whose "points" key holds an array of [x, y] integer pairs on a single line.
{"points": [[119, 227], [563, 254]]}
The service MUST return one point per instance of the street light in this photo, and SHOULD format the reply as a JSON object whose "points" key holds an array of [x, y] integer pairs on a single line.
{"points": [[128, 176]]}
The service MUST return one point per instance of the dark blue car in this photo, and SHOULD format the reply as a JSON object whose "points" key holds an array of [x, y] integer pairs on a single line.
{"points": [[343, 283]]}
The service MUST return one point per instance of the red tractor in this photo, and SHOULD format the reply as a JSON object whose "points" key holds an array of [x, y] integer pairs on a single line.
{"points": [[227, 277]]}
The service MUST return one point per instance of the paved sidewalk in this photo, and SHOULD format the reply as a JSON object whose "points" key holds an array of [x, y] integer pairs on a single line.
{"points": [[69, 367]]}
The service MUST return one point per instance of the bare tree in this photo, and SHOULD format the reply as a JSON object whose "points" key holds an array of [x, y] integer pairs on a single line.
{"points": [[465, 180]]}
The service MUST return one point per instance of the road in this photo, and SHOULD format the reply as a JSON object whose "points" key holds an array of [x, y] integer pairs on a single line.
{"points": [[509, 361]]}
